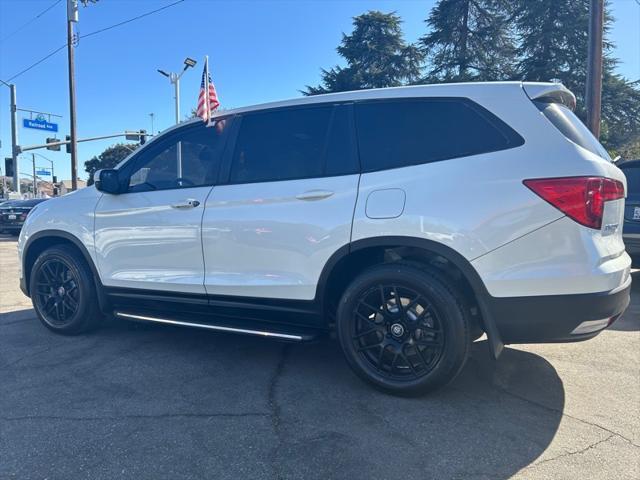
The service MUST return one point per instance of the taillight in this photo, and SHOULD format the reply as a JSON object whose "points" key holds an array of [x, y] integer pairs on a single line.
{"points": [[580, 198]]}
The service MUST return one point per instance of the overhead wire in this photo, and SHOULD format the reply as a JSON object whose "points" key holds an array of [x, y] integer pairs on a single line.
{"points": [[30, 21], [138, 17]]}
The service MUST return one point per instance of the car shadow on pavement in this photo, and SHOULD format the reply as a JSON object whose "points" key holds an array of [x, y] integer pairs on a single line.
{"points": [[200, 404], [630, 320]]}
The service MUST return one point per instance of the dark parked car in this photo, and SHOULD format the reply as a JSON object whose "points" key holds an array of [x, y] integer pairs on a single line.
{"points": [[631, 232], [14, 212]]}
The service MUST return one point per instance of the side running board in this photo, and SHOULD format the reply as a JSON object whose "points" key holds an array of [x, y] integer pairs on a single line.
{"points": [[292, 337]]}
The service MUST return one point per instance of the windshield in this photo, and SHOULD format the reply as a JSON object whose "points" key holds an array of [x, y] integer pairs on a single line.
{"points": [[572, 127]]}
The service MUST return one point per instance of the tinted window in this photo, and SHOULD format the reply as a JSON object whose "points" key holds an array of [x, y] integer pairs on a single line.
{"points": [[189, 157], [398, 133], [572, 128], [281, 145], [633, 180]]}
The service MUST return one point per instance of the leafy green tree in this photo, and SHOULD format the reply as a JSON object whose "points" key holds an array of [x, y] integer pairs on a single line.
{"points": [[108, 159], [553, 46], [376, 55], [469, 40], [553, 39]]}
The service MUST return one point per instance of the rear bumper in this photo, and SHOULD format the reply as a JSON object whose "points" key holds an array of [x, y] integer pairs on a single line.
{"points": [[10, 227], [553, 318]]}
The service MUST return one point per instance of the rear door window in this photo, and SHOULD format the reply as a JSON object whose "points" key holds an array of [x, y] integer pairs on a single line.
{"points": [[398, 133], [280, 145], [572, 127]]}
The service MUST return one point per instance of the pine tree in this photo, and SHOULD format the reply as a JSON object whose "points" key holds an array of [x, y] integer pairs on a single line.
{"points": [[469, 40], [376, 56], [553, 46], [553, 41]]}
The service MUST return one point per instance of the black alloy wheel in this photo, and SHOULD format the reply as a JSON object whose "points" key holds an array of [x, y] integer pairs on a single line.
{"points": [[404, 328], [398, 331], [63, 291], [57, 294]]}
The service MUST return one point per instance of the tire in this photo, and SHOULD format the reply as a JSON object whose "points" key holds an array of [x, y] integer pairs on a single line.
{"points": [[410, 350], [63, 291]]}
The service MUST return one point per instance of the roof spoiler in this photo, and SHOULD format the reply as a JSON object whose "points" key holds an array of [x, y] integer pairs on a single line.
{"points": [[550, 93]]}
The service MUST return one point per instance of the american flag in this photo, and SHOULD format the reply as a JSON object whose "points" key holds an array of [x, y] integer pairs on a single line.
{"points": [[208, 98]]}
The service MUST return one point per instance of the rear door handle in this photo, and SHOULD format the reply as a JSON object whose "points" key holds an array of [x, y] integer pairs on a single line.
{"points": [[190, 203], [314, 195]]}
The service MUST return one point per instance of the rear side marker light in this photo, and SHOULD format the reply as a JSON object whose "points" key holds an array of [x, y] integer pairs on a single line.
{"points": [[579, 198]]}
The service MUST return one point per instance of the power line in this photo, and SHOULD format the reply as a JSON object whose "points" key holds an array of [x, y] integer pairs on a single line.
{"points": [[131, 19], [94, 33], [31, 21], [38, 62]]}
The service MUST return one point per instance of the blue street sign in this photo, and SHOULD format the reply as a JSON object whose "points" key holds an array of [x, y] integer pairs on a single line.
{"points": [[39, 123], [43, 172]]}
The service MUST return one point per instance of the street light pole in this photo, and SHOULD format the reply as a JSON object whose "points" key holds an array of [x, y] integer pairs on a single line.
{"points": [[72, 16], [176, 82], [174, 78], [594, 67]]}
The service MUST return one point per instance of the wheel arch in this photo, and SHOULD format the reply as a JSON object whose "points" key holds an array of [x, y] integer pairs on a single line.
{"points": [[347, 261], [44, 239]]}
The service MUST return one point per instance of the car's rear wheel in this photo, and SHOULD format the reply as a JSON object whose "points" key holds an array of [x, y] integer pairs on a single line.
{"points": [[404, 329], [63, 291]]}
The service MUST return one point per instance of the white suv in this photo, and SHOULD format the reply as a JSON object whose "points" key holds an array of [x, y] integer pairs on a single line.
{"points": [[410, 220]]}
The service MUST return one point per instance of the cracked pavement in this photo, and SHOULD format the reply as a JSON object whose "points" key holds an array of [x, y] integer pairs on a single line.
{"points": [[146, 401]]}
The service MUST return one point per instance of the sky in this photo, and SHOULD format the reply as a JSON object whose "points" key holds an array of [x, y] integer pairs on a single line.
{"points": [[259, 51]]}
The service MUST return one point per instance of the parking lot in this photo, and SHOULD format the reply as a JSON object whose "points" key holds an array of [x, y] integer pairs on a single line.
{"points": [[146, 401]]}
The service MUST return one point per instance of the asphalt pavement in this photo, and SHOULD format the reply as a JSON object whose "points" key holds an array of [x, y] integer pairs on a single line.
{"points": [[141, 401]]}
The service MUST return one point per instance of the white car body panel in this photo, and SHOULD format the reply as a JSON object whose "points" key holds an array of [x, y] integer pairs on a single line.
{"points": [[261, 241], [71, 213], [144, 242]]}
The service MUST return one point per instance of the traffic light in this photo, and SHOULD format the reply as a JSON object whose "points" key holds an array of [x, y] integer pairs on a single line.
{"points": [[8, 167], [68, 145], [143, 137], [53, 147], [54, 179]]}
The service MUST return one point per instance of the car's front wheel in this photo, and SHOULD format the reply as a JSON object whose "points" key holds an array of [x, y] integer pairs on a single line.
{"points": [[404, 328], [63, 292]]}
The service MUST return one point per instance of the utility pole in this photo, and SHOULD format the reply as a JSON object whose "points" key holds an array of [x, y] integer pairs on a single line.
{"points": [[14, 137], [35, 181], [72, 16], [14, 134], [594, 67], [152, 115], [53, 175]]}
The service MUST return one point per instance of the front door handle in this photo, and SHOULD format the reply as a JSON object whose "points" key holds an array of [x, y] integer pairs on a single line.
{"points": [[190, 203], [314, 195]]}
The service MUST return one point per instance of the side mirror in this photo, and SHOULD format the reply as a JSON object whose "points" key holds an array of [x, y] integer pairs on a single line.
{"points": [[107, 181]]}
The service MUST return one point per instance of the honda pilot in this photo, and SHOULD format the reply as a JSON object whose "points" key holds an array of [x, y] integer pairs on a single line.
{"points": [[409, 221]]}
